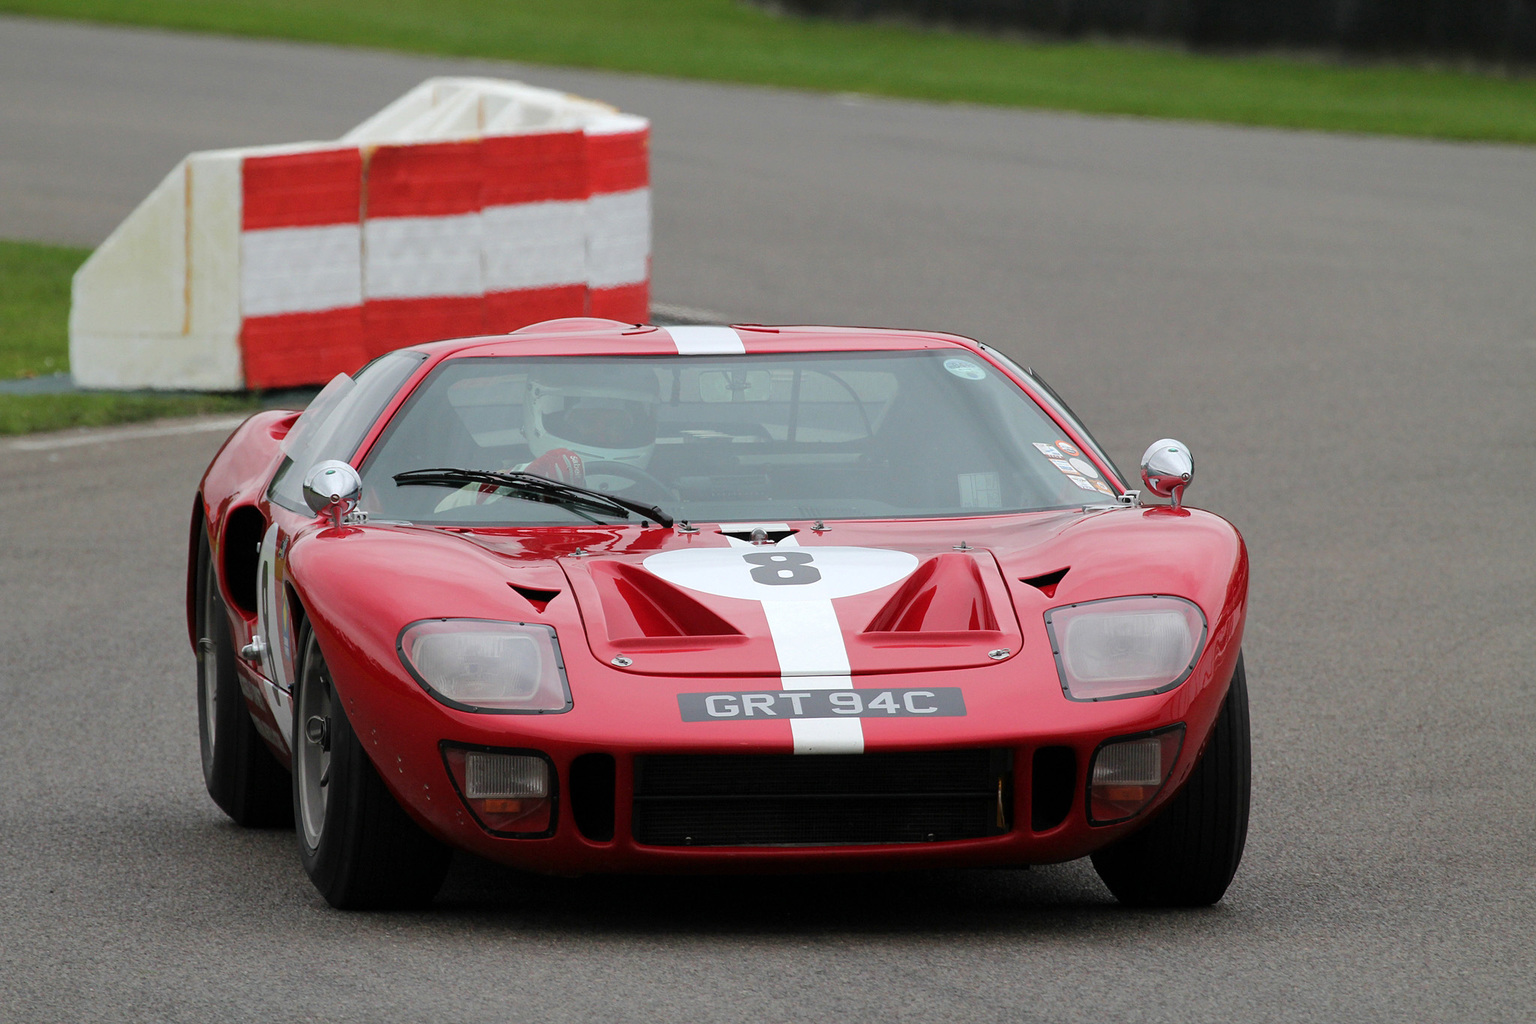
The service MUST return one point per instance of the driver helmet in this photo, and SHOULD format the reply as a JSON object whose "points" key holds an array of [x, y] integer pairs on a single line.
{"points": [[602, 412]]}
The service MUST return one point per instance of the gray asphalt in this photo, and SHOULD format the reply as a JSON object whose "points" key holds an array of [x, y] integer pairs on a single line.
{"points": [[1343, 329]]}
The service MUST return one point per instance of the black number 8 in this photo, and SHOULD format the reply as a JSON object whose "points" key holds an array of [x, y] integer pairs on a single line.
{"points": [[783, 568]]}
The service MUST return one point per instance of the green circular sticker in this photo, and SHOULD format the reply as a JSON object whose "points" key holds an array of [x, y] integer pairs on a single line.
{"points": [[964, 369]]}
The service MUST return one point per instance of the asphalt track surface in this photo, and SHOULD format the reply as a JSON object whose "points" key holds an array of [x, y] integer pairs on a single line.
{"points": [[1343, 329]]}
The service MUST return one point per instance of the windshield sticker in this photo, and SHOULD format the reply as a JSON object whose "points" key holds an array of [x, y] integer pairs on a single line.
{"points": [[980, 490], [1068, 448], [1080, 471], [933, 702], [965, 369]]}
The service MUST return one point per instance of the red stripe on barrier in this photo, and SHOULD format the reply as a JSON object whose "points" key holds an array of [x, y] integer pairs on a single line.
{"points": [[534, 168], [301, 348], [507, 311], [301, 189], [618, 163], [424, 180], [629, 303], [391, 323]]}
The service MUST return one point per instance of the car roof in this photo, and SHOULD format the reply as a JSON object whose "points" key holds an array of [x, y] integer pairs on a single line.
{"points": [[594, 336]]}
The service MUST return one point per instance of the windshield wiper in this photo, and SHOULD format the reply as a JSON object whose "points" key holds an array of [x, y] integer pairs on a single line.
{"points": [[533, 487]]}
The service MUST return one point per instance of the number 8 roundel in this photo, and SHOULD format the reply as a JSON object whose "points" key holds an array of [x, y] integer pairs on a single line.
{"points": [[784, 568], [782, 574]]}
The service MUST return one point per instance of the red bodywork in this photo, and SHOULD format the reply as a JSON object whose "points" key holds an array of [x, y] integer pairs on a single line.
{"points": [[360, 586]]}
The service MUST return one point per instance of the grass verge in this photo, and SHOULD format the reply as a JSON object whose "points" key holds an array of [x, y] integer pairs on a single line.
{"points": [[730, 40], [34, 341], [34, 307], [30, 414]]}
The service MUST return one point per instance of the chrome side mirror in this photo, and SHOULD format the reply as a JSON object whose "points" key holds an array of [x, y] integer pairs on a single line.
{"points": [[332, 489], [1166, 469]]}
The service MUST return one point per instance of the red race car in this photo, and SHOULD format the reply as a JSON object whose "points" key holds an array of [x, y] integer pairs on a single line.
{"points": [[594, 597]]}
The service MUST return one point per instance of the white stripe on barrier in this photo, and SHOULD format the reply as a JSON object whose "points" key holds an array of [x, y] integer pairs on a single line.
{"points": [[619, 238], [534, 245], [706, 341], [422, 257], [300, 270]]}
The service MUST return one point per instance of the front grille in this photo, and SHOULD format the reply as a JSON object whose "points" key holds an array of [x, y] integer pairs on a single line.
{"points": [[821, 800]]}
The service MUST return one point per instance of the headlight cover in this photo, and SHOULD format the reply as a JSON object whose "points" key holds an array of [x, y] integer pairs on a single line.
{"points": [[487, 666], [1125, 646]]}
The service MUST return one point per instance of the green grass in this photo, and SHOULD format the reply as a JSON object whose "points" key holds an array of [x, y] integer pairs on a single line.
{"points": [[28, 414], [729, 40], [34, 307], [34, 341]]}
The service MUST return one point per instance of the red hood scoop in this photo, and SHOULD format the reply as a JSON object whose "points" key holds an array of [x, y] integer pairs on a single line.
{"points": [[945, 595], [639, 606], [950, 611]]}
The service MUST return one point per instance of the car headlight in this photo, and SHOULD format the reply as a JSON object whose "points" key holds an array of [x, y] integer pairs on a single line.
{"points": [[487, 666], [1125, 646]]}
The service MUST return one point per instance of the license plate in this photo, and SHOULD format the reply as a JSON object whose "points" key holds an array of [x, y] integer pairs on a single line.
{"points": [[761, 705]]}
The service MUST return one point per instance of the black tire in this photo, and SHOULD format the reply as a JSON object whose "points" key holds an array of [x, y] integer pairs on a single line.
{"points": [[241, 774], [358, 847], [1187, 855]]}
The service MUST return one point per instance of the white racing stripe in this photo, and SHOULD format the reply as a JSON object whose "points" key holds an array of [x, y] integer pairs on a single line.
{"points": [[812, 656], [808, 641], [706, 341]]}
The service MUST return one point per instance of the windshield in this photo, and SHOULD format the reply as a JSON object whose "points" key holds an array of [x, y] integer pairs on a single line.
{"points": [[731, 438], [336, 421]]}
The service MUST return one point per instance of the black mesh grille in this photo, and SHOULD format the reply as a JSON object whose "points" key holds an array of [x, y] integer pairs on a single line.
{"points": [[822, 800]]}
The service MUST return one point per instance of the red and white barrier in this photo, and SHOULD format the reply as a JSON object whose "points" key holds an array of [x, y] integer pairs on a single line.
{"points": [[468, 206]]}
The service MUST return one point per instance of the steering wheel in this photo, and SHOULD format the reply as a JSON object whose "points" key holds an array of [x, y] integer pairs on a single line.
{"points": [[602, 467]]}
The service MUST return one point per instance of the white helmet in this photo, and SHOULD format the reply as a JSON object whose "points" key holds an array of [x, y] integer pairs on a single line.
{"points": [[601, 411]]}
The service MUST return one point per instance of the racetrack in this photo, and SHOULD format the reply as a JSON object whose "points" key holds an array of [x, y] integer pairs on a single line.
{"points": [[1343, 329]]}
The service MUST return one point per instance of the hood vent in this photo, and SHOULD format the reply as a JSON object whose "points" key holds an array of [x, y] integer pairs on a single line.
{"points": [[535, 596], [1046, 582], [946, 594], [638, 604]]}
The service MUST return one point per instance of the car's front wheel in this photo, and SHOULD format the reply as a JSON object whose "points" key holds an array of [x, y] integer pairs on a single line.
{"points": [[241, 774], [358, 847], [1187, 855]]}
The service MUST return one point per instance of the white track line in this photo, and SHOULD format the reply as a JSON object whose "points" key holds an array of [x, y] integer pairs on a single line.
{"points": [[103, 435]]}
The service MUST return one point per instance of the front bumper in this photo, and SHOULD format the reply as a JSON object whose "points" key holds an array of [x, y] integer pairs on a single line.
{"points": [[1036, 746]]}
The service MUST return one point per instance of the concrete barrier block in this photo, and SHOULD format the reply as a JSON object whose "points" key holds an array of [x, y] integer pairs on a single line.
{"points": [[466, 206]]}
